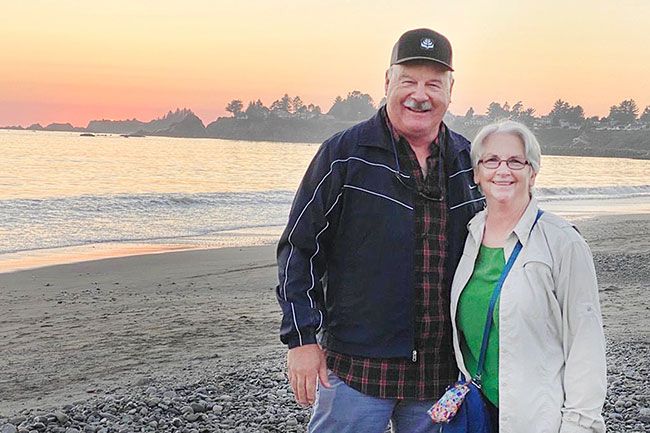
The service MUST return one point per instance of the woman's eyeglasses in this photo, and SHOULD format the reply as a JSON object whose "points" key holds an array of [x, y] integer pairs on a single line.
{"points": [[512, 163]]}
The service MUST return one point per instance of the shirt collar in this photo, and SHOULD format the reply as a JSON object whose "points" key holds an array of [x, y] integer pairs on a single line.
{"points": [[522, 229]]}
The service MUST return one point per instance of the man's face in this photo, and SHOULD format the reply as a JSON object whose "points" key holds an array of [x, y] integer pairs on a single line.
{"points": [[417, 97]]}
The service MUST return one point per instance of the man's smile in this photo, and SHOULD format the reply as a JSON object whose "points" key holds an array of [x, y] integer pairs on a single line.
{"points": [[417, 107]]}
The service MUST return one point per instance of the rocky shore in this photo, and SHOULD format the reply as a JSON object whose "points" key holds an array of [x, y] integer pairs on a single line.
{"points": [[255, 397]]}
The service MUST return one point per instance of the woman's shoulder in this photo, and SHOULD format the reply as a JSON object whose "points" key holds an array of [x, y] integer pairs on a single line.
{"points": [[558, 228]]}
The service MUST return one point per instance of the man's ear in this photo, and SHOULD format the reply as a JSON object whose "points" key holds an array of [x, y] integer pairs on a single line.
{"points": [[386, 82]]}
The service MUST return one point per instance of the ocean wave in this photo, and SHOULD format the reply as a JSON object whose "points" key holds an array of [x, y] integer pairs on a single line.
{"points": [[66, 207], [585, 193], [153, 200], [257, 198], [30, 224], [69, 221]]}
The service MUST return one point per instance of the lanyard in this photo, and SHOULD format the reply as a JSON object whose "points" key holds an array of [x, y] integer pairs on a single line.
{"points": [[493, 300]]}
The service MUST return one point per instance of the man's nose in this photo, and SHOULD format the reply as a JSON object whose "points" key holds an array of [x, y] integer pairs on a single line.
{"points": [[420, 93]]}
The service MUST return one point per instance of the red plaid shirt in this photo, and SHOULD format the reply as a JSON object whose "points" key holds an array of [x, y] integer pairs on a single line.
{"points": [[434, 367]]}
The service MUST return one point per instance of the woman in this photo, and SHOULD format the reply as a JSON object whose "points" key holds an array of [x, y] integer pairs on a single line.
{"points": [[544, 370]]}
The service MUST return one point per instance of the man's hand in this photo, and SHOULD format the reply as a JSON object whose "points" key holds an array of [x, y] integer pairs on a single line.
{"points": [[306, 364]]}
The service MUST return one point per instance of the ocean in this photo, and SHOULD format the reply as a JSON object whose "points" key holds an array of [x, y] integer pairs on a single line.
{"points": [[64, 197]]}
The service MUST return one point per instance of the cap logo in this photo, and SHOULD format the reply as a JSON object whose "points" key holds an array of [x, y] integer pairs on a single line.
{"points": [[426, 43]]}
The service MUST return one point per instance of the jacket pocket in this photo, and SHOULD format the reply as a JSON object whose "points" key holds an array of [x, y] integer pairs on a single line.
{"points": [[532, 290]]}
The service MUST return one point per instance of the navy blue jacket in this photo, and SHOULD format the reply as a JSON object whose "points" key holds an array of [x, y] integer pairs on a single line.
{"points": [[346, 258]]}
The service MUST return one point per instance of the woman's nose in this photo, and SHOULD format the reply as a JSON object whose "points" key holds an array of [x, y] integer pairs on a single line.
{"points": [[503, 167]]}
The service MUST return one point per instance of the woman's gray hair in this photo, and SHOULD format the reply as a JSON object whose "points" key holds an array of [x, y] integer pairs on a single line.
{"points": [[531, 145]]}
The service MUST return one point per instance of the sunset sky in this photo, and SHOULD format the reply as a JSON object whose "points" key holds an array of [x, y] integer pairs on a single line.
{"points": [[73, 61]]}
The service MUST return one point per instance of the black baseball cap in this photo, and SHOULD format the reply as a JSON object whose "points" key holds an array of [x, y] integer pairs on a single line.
{"points": [[422, 44]]}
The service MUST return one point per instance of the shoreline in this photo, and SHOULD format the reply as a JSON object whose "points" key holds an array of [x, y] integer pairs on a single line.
{"points": [[35, 259], [575, 211]]}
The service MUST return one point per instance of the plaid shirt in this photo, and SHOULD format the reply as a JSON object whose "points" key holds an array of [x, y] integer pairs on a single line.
{"points": [[433, 366]]}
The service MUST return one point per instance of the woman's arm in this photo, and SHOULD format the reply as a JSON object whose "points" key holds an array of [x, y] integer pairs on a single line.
{"points": [[585, 373]]}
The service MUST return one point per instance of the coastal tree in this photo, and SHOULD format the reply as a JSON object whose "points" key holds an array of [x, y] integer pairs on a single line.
{"points": [[559, 110], [469, 114], [257, 110], [521, 114], [562, 111], [282, 104], [496, 112], [624, 113], [576, 115], [645, 116], [235, 107], [313, 110], [297, 106], [357, 106], [516, 110], [526, 116]]}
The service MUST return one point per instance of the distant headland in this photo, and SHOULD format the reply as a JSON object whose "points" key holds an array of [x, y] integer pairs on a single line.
{"points": [[563, 131]]}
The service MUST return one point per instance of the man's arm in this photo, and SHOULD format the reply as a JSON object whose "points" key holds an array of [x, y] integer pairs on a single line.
{"points": [[301, 266], [305, 366]]}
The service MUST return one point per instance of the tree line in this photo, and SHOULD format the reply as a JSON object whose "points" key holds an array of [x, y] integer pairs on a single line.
{"points": [[356, 106], [564, 114], [359, 106]]}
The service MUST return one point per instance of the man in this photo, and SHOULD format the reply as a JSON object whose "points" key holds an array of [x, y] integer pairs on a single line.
{"points": [[374, 235]]}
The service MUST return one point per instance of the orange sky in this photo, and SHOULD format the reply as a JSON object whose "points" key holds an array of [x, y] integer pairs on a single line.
{"points": [[73, 61]]}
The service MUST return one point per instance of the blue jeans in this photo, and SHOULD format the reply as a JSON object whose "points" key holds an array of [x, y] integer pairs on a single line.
{"points": [[342, 409]]}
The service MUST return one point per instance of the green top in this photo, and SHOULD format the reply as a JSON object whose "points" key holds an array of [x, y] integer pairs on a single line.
{"points": [[472, 311]]}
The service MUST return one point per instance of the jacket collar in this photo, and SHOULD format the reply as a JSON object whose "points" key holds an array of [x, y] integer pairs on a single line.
{"points": [[522, 229], [525, 224], [374, 132]]}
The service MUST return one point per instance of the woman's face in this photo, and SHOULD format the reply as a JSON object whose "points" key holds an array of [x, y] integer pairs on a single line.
{"points": [[502, 184]]}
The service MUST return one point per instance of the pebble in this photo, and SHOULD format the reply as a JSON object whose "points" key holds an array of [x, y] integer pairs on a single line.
{"points": [[255, 397], [198, 407], [644, 415], [61, 417]]}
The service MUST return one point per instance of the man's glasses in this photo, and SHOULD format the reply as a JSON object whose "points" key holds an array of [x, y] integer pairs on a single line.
{"points": [[512, 163], [435, 195]]}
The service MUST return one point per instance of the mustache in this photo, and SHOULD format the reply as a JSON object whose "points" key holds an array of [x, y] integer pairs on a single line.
{"points": [[418, 106]]}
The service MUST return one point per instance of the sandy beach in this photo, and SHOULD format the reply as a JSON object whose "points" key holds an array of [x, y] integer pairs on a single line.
{"points": [[72, 332], [90, 325]]}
